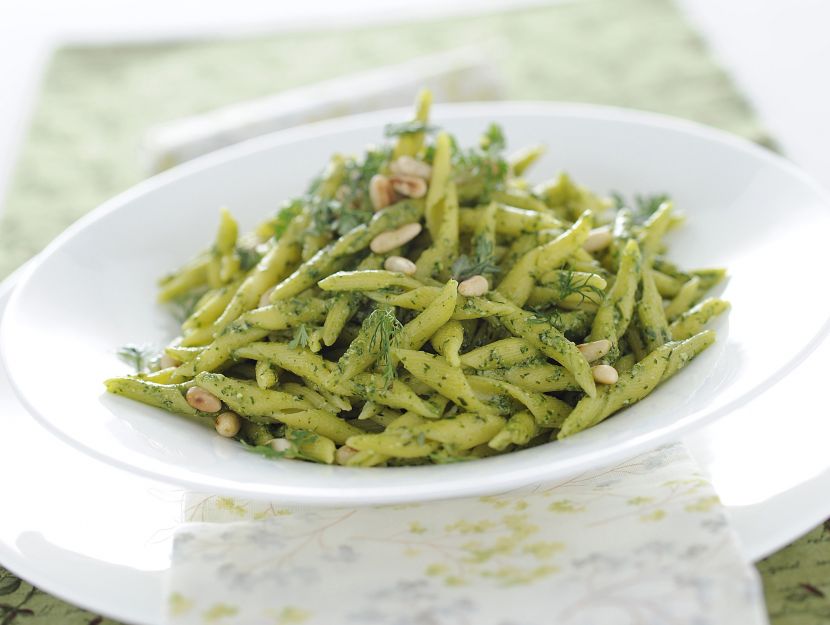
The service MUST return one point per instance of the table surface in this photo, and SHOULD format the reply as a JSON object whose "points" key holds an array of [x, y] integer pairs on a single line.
{"points": [[776, 50]]}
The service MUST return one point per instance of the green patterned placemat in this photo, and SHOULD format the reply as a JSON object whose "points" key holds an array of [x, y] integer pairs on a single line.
{"points": [[96, 104]]}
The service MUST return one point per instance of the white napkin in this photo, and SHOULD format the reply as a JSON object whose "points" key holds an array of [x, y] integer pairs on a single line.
{"points": [[645, 542], [461, 74]]}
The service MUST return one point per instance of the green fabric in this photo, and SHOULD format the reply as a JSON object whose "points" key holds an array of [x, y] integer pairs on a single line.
{"points": [[797, 580], [96, 104]]}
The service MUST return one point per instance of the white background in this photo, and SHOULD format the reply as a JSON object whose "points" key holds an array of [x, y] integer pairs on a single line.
{"points": [[777, 50]]}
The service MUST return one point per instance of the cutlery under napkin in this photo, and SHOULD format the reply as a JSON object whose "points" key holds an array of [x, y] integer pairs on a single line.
{"points": [[460, 74]]}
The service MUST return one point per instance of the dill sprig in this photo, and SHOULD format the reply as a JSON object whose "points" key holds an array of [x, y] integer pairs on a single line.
{"points": [[551, 316], [352, 206], [643, 206], [385, 335], [301, 338], [482, 261], [183, 306], [569, 285], [141, 357], [482, 170]]}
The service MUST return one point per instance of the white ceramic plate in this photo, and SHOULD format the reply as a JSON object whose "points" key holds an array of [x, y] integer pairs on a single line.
{"points": [[93, 290], [100, 537]]}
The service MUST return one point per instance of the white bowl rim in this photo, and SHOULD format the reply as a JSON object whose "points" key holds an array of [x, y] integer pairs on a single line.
{"points": [[389, 494]]}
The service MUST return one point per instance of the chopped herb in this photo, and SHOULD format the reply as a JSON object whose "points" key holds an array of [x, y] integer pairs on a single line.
{"points": [[302, 437], [385, 336], [481, 263], [481, 171], [285, 216], [183, 306], [569, 285], [493, 139], [643, 207], [352, 206], [141, 357], [296, 438], [301, 338], [248, 257], [408, 128]]}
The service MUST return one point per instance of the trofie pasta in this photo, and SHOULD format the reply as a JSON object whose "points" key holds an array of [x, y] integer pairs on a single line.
{"points": [[424, 303]]}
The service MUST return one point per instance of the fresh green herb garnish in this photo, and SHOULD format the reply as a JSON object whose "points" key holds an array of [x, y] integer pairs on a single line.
{"points": [[552, 316], [353, 206], [384, 337], [643, 207], [408, 128], [301, 338], [141, 357], [481, 263], [248, 257], [183, 306], [569, 284], [296, 438], [302, 437], [481, 171], [268, 451], [285, 216], [493, 140]]}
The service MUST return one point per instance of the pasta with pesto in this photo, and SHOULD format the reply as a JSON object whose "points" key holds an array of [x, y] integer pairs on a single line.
{"points": [[423, 302]]}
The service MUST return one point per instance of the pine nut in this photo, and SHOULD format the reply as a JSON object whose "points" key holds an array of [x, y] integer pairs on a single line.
{"points": [[168, 361], [400, 264], [344, 454], [227, 424], [598, 239], [408, 166], [280, 444], [595, 349], [200, 399], [474, 287], [380, 192], [605, 374], [389, 240], [409, 186]]}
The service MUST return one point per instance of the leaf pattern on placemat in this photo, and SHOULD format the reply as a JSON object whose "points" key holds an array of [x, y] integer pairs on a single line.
{"points": [[23, 604]]}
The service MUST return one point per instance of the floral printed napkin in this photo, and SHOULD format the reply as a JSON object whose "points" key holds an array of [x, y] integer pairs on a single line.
{"points": [[645, 541]]}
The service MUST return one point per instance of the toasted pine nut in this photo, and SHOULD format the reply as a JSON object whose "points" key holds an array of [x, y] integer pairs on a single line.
{"points": [[595, 349], [409, 186], [598, 239], [408, 166], [605, 374], [227, 424], [474, 287], [168, 361], [380, 192], [280, 444], [343, 454], [200, 399], [400, 264], [265, 300], [389, 240]]}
